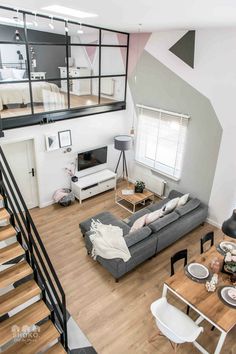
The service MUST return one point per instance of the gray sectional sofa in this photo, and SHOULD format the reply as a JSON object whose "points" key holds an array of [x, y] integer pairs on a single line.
{"points": [[152, 239]]}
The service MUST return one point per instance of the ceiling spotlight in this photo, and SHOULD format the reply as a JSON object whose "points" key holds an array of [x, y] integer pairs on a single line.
{"points": [[66, 27], [51, 25], [80, 30], [35, 20]]}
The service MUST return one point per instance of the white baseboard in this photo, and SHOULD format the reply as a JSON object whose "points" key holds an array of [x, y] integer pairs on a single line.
{"points": [[43, 205], [213, 223]]}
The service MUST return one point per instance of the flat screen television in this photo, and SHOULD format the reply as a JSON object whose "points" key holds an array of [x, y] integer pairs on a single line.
{"points": [[92, 158]]}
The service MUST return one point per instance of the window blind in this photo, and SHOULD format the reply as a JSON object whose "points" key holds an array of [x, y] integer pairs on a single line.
{"points": [[160, 140]]}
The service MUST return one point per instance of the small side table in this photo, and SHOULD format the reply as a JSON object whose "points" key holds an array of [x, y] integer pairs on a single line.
{"points": [[133, 199]]}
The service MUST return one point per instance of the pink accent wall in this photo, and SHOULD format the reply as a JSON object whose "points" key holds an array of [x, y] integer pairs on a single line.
{"points": [[91, 52], [137, 44]]}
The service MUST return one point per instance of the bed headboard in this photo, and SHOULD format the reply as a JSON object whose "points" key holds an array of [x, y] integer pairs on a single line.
{"points": [[21, 66]]}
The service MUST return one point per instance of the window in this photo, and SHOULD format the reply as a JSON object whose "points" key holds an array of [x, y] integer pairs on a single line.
{"points": [[160, 140], [58, 69]]}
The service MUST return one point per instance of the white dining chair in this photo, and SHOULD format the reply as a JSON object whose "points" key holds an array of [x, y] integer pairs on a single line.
{"points": [[174, 324]]}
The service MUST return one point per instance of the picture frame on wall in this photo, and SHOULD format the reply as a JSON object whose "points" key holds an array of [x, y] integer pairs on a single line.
{"points": [[52, 142], [64, 138]]}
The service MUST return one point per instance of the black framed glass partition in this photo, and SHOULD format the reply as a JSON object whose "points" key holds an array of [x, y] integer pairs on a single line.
{"points": [[57, 69]]}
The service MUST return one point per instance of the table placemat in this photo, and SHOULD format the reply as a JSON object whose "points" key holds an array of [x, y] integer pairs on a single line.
{"points": [[221, 298], [196, 279], [218, 248]]}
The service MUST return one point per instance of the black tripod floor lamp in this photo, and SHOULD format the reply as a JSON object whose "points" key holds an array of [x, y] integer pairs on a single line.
{"points": [[123, 143]]}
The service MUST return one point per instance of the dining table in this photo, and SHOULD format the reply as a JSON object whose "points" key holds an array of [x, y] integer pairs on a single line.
{"points": [[208, 305]]}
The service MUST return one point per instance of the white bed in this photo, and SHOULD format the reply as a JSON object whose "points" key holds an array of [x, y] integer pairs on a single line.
{"points": [[18, 93]]}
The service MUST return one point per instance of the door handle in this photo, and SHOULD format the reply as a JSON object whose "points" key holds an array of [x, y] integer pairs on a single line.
{"points": [[32, 172]]}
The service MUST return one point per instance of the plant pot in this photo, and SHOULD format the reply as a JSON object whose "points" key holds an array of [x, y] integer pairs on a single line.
{"points": [[233, 278], [138, 190]]}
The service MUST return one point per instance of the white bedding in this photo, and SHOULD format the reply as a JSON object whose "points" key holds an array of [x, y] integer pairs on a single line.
{"points": [[19, 93]]}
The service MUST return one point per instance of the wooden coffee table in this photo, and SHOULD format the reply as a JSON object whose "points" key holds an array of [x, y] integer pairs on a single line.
{"points": [[134, 199]]}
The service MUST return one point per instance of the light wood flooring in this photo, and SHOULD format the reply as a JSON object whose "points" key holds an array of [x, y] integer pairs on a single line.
{"points": [[75, 102], [115, 316]]}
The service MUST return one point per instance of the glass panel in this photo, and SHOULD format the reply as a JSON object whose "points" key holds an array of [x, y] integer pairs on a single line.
{"points": [[49, 96], [116, 66], [45, 30], [11, 26], [83, 92], [84, 61], [14, 99], [46, 61], [112, 89], [83, 34], [109, 37], [13, 62]]}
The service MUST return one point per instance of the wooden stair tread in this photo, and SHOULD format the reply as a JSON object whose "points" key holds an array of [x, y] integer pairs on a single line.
{"points": [[14, 273], [47, 334], [18, 296], [27, 317], [10, 252], [7, 232], [56, 349], [4, 214]]}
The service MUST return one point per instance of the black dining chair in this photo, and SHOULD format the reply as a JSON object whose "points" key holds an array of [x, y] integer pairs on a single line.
{"points": [[208, 237], [183, 254]]}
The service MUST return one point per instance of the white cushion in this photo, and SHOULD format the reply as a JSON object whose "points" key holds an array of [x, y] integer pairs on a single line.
{"points": [[18, 74], [155, 215], [183, 200], [170, 206], [6, 74]]}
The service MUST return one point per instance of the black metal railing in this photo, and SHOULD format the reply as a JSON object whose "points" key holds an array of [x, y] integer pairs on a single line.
{"points": [[36, 254]]}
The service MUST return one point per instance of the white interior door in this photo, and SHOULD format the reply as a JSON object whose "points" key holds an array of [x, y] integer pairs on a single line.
{"points": [[20, 156]]}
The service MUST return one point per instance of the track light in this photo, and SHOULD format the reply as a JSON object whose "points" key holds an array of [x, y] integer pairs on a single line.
{"points": [[17, 36], [35, 20], [51, 25], [66, 27], [80, 30]]}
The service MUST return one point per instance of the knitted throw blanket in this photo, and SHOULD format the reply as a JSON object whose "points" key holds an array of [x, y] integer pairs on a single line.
{"points": [[108, 242]]}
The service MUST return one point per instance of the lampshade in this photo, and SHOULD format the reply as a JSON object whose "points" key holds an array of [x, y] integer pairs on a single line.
{"points": [[123, 142], [229, 226]]}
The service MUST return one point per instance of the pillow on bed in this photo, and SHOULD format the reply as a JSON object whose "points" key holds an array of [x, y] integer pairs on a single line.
{"points": [[6, 74], [18, 74]]}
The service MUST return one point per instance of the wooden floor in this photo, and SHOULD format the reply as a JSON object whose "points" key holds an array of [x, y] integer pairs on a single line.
{"points": [[75, 102], [115, 316]]}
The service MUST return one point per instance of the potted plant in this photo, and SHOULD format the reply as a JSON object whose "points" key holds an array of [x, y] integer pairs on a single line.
{"points": [[139, 186]]}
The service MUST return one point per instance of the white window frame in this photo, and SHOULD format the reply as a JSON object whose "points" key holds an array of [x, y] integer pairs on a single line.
{"points": [[165, 170]]}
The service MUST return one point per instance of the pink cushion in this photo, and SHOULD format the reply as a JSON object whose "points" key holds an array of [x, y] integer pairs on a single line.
{"points": [[146, 219], [151, 217], [139, 223]]}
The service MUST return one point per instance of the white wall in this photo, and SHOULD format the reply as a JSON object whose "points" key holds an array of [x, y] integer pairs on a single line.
{"points": [[9, 53], [214, 75], [87, 132]]}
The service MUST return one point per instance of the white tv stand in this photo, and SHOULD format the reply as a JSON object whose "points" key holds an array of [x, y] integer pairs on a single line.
{"points": [[93, 184]]}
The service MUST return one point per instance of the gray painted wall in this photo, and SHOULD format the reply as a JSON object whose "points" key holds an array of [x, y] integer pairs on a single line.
{"points": [[49, 58], [157, 86]]}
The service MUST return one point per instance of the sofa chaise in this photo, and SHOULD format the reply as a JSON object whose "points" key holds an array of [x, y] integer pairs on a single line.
{"points": [[152, 239]]}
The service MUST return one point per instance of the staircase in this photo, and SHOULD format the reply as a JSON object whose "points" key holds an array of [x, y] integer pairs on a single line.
{"points": [[33, 316]]}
